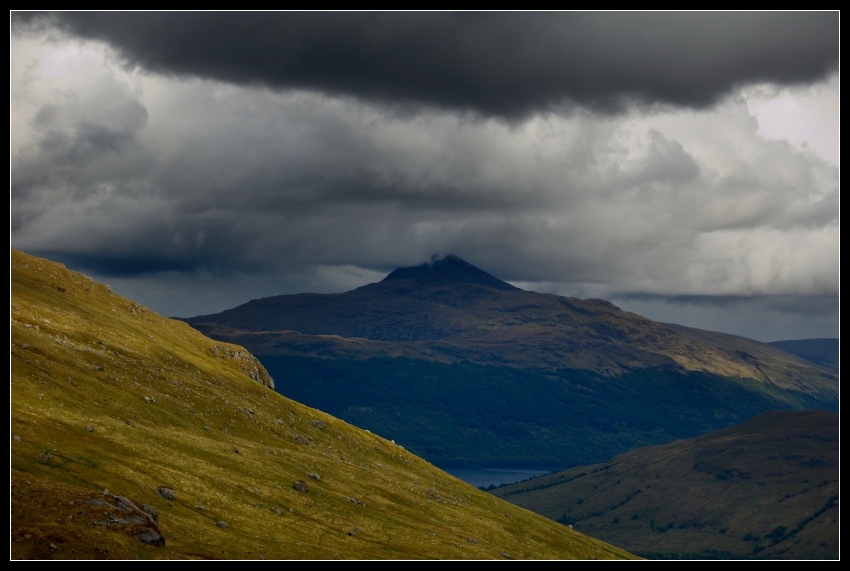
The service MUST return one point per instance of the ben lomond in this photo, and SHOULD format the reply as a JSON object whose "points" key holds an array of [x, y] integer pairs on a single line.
{"points": [[464, 368]]}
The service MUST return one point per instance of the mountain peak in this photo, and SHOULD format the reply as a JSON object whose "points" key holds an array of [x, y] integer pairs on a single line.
{"points": [[446, 271]]}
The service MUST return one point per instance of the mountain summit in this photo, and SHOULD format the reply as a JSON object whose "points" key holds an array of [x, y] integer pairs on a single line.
{"points": [[447, 271]]}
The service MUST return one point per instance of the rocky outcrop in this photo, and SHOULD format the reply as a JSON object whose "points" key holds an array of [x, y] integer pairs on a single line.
{"points": [[246, 363]]}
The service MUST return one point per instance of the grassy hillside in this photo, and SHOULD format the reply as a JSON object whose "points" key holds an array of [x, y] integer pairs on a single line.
{"points": [[113, 406], [764, 489]]}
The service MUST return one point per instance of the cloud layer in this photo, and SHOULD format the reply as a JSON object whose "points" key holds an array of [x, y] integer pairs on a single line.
{"points": [[625, 174]]}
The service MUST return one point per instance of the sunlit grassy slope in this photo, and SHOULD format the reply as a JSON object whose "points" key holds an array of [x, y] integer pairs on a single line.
{"points": [[108, 395]]}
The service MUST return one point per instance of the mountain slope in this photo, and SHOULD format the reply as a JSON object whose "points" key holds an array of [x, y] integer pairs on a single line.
{"points": [[767, 489], [824, 352], [135, 436], [465, 369]]}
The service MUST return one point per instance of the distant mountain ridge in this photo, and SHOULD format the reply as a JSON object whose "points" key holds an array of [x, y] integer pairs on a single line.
{"points": [[824, 352], [378, 354]]}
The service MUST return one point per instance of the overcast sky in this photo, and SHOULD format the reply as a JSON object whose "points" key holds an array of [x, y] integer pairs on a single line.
{"points": [[683, 166]]}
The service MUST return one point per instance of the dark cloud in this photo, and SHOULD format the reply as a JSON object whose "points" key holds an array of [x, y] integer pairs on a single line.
{"points": [[500, 64]]}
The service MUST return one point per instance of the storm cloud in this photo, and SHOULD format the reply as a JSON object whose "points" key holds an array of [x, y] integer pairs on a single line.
{"points": [[196, 161], [498, 64]]}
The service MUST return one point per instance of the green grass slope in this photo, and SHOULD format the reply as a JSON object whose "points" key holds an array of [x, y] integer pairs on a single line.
{"points": [[765, 489], [111, 404]]}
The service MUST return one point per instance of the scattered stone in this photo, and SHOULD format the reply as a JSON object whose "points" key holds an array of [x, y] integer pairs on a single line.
{"points": [[16, 438], [301, 440], [300, 485], [354, 531], [318, 423], [277, 511], [25, 346], [471, 540], [249, 411], [154, 515], [129, 422], [150, 399], [314, 476], [90, 428], [201, 508], [165, 493], [207, 428], [53, 547], [505, 555], [151, 537], [280, 421], [235, 449], [221, 524], [106, 492], [592, 558], [46, 457]]}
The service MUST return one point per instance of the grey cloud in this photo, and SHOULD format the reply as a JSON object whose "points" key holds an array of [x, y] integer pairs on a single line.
{"points": [[507, 65]]}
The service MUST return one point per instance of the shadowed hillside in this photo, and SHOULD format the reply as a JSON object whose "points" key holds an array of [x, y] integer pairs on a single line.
{"points": [[824, 352], [136, 436], [765, 489]]}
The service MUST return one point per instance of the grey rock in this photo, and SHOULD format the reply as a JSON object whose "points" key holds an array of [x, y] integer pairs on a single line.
{"points": [[471, 540], [46, 457], [151, 537], [16, 438], [318, 423], [235, 449], [505, 555], [301, 440], [90, 429], [354, 531], [165, 493], [221, 524], [152, 513], [300, 485], [314, 476], [125, 504]]}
